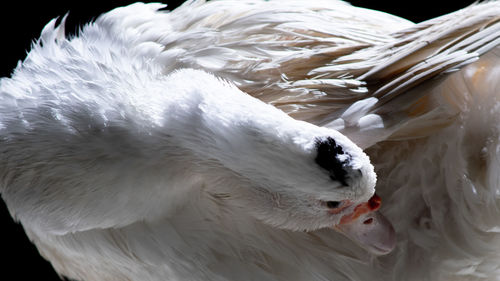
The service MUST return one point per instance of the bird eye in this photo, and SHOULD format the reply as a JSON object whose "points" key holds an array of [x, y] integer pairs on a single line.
{"points": [[332, 204]]}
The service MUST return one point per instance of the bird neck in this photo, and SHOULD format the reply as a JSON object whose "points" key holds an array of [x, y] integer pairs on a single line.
{"points": [[215, 120]]}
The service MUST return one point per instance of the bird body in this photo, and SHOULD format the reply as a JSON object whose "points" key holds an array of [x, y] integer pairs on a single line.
{"points": [[213, 142]]}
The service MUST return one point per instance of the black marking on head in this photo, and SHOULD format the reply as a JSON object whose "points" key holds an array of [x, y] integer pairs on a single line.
{"points": [[328, 150]]}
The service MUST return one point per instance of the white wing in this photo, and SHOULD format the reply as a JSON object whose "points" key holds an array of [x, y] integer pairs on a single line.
{"points": [[314, 59]]}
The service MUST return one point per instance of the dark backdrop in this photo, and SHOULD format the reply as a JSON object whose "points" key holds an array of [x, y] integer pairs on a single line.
{"points": [[21, 22]]}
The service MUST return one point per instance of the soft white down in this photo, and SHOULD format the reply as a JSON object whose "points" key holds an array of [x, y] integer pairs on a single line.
{"points": [[244, 140]]}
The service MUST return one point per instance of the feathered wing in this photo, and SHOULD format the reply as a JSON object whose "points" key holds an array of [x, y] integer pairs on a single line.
{"points": [[314, 59], [268, 49]]}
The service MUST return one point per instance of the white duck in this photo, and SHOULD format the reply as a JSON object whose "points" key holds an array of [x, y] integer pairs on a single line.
{"points": [[124, 159]]}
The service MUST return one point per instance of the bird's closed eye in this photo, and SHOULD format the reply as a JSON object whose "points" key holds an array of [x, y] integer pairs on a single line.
{"points": [[332, 204]]}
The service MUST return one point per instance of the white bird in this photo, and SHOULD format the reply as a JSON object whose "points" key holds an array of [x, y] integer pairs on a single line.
{"points": [[226, 140]]}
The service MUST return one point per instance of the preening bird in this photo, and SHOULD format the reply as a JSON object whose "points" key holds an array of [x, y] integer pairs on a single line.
{"points": [[245, 139]]}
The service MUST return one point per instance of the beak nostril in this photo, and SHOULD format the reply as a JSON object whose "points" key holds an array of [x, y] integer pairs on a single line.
{"points": [[368, 221]]}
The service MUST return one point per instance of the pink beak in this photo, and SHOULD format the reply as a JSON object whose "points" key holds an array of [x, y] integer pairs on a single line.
{"points": [[368, 228]]}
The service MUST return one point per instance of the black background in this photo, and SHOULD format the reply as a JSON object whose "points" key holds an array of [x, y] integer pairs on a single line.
{"points": [[21, 22]]}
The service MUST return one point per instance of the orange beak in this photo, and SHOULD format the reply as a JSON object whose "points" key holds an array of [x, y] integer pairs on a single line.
{"points": [[372, 205], [368, 228]]}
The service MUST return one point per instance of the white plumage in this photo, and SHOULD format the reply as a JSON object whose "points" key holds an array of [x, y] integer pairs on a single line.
{"points": [[160, 145]]}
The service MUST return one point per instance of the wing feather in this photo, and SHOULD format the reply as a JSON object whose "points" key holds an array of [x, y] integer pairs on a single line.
{"points": [[316, 59]]}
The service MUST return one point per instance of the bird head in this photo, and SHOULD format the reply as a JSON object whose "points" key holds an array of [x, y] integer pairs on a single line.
{"points": [[287, 173], [307, 178]]}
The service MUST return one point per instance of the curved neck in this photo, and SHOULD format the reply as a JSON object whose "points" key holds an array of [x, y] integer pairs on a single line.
{"points": [[217, 121]]}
